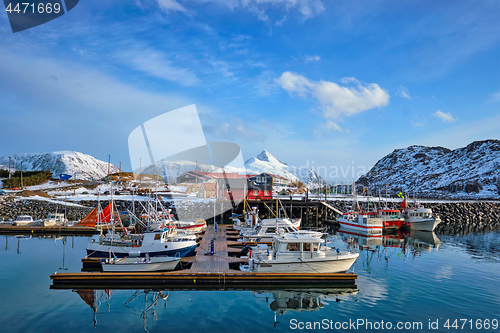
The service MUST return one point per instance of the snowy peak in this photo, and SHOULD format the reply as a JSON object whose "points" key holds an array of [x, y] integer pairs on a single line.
{"points": [[266, 162], [266, 156], [68, 162]]}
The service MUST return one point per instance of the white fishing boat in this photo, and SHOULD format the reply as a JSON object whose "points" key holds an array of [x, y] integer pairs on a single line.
{"points": [[296, 253], [421, 218], [362, 221], [268, 228], [146, 264], [156, 243], [53, 219], [25, 220]]}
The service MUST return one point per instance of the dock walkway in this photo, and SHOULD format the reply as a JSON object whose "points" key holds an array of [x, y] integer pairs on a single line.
{"points": [[206, 272]]}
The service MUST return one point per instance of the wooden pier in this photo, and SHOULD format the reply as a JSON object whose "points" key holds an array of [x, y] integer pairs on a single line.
{"points": [[207, 271]]}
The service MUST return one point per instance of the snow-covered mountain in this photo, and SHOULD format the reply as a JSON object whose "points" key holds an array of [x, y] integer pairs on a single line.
{"points": [[67, 162], [437, 169], [265, 162]]}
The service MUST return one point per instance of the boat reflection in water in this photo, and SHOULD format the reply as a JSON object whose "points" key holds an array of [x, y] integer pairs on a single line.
{"points": [[409, 245], [281, 300], [143, 301], [303, 300]]}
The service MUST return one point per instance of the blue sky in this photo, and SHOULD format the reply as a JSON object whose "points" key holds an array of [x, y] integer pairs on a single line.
{"points": [[323, 83]]}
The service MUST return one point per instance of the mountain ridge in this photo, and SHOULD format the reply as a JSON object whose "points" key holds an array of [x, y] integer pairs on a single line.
{"points": [[473, 168], [62, 162]]}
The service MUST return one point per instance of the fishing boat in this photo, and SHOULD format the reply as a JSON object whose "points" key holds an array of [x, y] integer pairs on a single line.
{"points": [[53, 219], [252, 222], [366, 222], [25, 220], [155, 243], [391, 218], [146, 264], [421, 218], [296, 253], [268, 228]]}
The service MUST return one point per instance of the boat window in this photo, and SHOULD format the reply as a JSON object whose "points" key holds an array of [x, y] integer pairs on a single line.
{"points": [[158, 236], [270, 230], [306, 247], [293, 247], [315, 247]]}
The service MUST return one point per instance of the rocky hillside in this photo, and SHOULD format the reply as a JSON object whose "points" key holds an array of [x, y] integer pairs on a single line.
{"points": [[67, 162], [472, 170]]}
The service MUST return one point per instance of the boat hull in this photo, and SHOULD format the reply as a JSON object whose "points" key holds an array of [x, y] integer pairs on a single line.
{"points": [[371, 230], [305, 266], [120, 252], [424, 224], [135, 265]]}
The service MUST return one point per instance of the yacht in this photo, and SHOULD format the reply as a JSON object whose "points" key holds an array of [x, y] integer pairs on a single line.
{"points": [[156, 243], [421, 218], [25, 220], [298, 253], [53, 219], [362, 221], [268, 228]]}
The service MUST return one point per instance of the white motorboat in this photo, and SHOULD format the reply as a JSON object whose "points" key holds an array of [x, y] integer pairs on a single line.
{"points": [[25, 220], [53, 219], [156, 243], [421, 218], [297, 253], [147, 264], [361, 221], [268, 228]]}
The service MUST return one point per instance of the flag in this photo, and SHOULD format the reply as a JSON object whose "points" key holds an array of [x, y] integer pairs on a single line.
{"points": [[402, 204]]}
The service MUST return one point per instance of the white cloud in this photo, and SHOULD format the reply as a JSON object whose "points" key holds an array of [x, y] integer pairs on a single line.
{"points": [[496, 97], [334, 99], [171, 6], [334, 126], [155, 63], [403, 92], [307, 8], [309, 58], [446, 117]]}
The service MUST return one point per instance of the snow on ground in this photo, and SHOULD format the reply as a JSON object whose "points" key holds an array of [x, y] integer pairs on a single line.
{"points": [[52, 201]]}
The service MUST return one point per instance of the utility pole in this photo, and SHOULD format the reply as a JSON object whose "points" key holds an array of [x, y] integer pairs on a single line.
{"points": [[109, 162], [22, 176], [9, 167], [120, 166]]}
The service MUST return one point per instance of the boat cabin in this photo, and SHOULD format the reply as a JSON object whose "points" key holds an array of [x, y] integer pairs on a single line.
{"points": [[421, 213], [296, 245], [24, 218]]}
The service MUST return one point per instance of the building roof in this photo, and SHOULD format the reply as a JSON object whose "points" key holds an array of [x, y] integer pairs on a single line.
{"points": [[208, 186], [213, 175]]}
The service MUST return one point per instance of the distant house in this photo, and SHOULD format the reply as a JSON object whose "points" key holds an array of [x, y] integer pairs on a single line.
{"points": [[195, 177], [207, 190], [269, 179], [231, 189], [259, 191]]}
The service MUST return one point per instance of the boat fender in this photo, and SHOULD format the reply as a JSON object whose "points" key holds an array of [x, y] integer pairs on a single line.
{"points": [[338, 251]]}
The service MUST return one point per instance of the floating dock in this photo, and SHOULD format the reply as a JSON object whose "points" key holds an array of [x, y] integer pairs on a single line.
{"points": [[206, 271]]}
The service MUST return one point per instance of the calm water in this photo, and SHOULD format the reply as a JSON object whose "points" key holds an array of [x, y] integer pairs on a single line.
{"points": [[418, 280]]}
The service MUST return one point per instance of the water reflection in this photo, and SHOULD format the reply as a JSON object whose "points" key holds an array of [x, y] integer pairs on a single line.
{"points": [[303, 300], [406, 245], [145, 301], [142, 302]]}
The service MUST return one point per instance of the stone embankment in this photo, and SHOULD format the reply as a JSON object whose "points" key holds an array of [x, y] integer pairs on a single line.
{"points": [[458, 217]]}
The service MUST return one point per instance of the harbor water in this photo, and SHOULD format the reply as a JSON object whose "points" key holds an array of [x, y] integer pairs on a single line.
{"points": [[411, 283]]}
